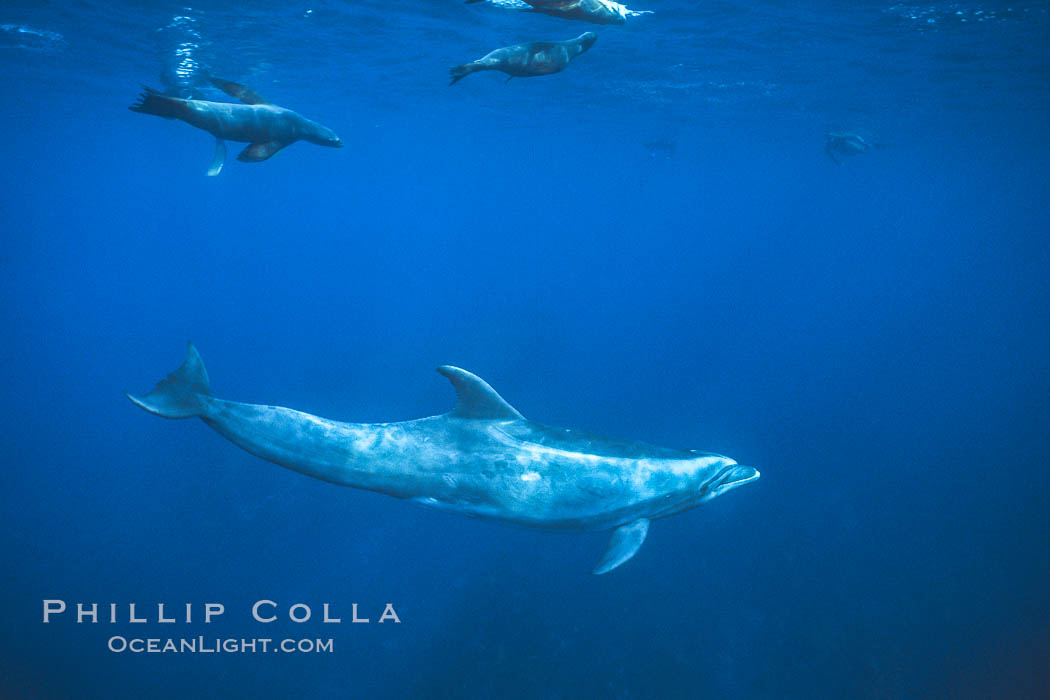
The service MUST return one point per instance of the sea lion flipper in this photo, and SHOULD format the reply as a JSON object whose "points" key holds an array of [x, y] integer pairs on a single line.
{"points": [[460, 72], [831, 153], [258, 152], [219, 160], [157, 103], [239, 91]]}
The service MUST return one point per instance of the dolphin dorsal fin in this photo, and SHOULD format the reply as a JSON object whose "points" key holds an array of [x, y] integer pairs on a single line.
{"points": [[476, 399], [239, 91]]}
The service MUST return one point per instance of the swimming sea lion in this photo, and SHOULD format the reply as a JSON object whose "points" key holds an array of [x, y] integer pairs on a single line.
{"points": [[268, 128], [661, 147], [847, 143], [596, 11], [526, 60]]}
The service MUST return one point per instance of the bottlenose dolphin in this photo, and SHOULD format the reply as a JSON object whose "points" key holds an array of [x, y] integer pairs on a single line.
{"points": [[596, 11], [482, 458], [527, 60], [268, 128]]}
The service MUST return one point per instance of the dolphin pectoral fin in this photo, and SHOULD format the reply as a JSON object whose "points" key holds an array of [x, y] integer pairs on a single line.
{"points": [[476, 399], [624, 544], [219, 160], [239, 91], [258, 152]]}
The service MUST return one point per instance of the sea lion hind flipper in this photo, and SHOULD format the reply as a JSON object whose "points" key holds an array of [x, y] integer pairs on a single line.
{"points": [[158, 104], [831, 154], [258, 152], [460, 72], [219, 159], [237, 90]]}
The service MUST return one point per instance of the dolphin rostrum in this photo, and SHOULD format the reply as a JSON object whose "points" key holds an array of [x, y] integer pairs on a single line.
{"points": [[482, 458], [266, 127]]}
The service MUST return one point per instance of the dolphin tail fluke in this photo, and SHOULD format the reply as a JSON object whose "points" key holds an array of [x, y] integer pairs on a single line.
{"points": [[182, 394], [157, 103], [624, 544]]}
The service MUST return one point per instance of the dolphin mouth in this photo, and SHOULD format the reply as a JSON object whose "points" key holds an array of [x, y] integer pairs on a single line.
{"points": [[737, 475]]}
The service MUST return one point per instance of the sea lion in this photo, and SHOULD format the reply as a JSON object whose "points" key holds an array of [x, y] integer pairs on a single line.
{"points": [[661, 147], [267, 127], [596, 11], [847, 143], [526, 60]]}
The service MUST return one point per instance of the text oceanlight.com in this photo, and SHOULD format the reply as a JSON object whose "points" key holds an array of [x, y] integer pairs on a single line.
{"points": [[202, 645]]}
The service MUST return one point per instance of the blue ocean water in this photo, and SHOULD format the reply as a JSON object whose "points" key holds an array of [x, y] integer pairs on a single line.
{"points": [[651, 244]]}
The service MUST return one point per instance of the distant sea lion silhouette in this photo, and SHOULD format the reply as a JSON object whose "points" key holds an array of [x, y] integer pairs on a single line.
{"points": [[268, 128], [527, 60], [661, 147], [596, 11], [847, 143]]}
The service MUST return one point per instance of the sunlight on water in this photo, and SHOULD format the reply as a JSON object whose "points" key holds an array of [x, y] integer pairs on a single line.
{"points": [[17, 36]]}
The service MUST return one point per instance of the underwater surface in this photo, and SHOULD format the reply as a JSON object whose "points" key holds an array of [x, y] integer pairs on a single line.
{"points": [[661, 242]]}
